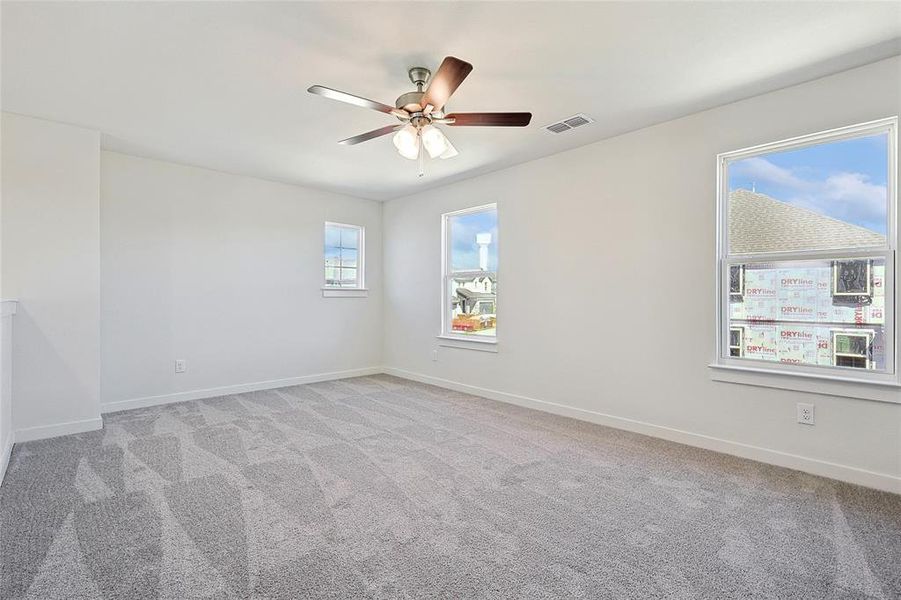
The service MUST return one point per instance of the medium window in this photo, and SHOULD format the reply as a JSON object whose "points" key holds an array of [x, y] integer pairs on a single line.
{"points": [[807, 244], [343, 256], [469, 298]]}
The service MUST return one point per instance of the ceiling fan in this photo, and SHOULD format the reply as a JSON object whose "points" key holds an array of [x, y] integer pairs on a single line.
{"points": [[420, 111]]}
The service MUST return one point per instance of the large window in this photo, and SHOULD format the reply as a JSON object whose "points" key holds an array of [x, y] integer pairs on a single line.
{"points": [[806, 255], [469, 299], [343, 256]]}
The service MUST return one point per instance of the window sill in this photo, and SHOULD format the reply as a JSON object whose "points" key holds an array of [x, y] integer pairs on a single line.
{"points": [[480, 345], [828, 385], [329, 292]]}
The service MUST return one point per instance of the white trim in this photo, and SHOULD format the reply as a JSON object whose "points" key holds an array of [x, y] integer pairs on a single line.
{"points": [[826, 385], [241, 388], [4, 459], [483, 345], [812, 139], [471, 209], [871, 479], [49, 431], [336, 292]]}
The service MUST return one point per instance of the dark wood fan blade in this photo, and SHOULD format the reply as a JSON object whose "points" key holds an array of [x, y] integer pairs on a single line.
{"points": [[363, 137], [512, 119], [357, 101], [450, 75]]}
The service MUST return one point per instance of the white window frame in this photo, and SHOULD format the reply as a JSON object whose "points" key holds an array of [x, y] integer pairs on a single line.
{"points": [[813, 378], [447, 337], [359, 289]]}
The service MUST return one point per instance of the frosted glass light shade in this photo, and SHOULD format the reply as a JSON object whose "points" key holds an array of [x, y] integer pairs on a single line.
{"points": [[434, 141], [406, 140], [450, 152]]}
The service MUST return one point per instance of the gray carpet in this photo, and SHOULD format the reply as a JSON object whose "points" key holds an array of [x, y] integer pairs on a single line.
{"points": [[381, 487]]}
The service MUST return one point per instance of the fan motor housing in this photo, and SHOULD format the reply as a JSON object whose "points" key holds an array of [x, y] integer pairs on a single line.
{"points": [[410, 101]]}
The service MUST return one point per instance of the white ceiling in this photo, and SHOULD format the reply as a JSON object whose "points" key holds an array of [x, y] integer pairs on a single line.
{"points": [[223, 85]]}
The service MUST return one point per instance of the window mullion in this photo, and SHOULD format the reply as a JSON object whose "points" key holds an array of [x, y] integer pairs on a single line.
{"points": [[765, 257]]}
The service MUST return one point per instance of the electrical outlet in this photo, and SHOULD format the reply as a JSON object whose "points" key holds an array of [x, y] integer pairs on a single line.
{"points": [[180, 365], [434, 355], [805, 413]]}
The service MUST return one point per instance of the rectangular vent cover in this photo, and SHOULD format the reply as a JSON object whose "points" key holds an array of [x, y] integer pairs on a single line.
{"points": [[570, 123], [558, 127]]}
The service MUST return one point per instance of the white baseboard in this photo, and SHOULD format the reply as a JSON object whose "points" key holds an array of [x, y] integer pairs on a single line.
{"points": [[226, 390], [4, 459], [879, 481], [48, 431]]}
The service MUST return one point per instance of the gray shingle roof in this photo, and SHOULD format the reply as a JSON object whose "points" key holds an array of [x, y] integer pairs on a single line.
{"points": [[758, 223]]}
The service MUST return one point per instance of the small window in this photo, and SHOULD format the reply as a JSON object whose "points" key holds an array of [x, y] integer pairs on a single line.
{"points": [[469, 296], [736, 341], [852, 278], [807, 254], [852, 349], [343, 256], [736, 283]]}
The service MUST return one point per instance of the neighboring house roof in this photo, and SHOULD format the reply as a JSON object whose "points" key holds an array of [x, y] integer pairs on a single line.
{"points": [[471, 295], [758, 223]]}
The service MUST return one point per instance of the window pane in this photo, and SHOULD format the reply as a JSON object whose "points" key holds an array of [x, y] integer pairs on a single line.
{"points": [[348, 258], [851, 361], [348, 277], [331, 276], [332, 236], [473, 241], [349, 237], [473, 305], [812, 312], [825, 196]]}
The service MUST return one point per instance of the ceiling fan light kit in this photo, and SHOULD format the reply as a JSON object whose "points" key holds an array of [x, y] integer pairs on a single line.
{"points": [[434, 141], [420, 111], [406, 140]]}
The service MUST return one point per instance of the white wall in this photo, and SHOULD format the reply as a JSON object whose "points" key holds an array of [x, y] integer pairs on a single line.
{"points": [[606, 286], [225, 272], [51, 265]]}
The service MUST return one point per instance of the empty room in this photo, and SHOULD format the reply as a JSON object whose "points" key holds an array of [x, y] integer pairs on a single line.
{"points": [[450, 300]]}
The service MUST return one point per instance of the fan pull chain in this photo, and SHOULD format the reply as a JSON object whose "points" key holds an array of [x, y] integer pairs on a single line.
{"points": [[421, 160]]}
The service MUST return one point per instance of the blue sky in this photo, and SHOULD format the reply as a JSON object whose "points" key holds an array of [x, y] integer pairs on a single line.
{"points": [[845, 180], [464, 250]]}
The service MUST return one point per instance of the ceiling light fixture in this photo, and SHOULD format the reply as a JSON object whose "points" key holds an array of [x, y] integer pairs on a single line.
{"points": [[433, 140], [421, 110], [406, 140]]}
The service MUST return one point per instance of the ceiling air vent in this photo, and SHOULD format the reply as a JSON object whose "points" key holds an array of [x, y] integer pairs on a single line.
{"points": [[558, 127], [569, 123]]}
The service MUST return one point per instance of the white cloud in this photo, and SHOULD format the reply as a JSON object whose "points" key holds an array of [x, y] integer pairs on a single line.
{"points": [[763, 171], [852, 197]]}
